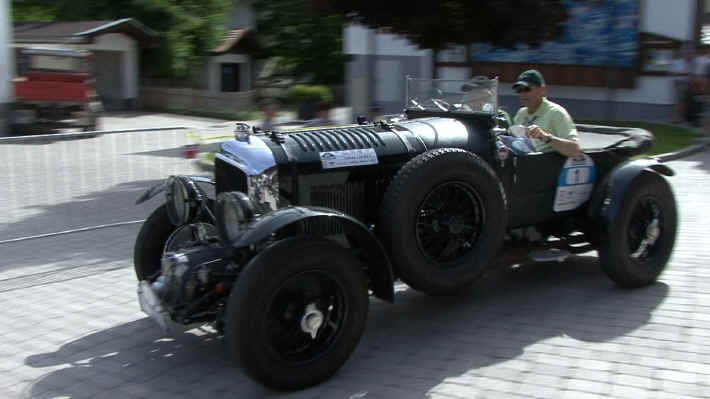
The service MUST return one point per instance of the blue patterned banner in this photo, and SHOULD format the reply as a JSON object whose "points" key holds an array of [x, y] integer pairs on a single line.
{"points": [[597, 32]]}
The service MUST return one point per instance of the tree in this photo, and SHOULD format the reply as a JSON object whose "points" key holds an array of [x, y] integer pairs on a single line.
{"points": [[188, 29], [436, 24], [306, 44]]}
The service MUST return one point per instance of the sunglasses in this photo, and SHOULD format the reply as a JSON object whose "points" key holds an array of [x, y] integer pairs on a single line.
{"points": [[522, 90]]}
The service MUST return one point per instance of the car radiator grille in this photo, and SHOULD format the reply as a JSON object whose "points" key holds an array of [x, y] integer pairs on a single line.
{"points": [[358, 199], [348, 198], [229, 178]]}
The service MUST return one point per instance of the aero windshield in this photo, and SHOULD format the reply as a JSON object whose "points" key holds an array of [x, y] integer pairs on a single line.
{"points": [[479, 94]]}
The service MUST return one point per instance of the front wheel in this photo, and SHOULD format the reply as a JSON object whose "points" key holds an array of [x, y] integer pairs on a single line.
{"points": [[297, 312], [150, 243], [159, 235], [639, 243]]}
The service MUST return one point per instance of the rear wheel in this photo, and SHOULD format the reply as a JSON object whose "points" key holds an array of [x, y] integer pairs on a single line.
{"points": [[639, 243], [297, 312]]}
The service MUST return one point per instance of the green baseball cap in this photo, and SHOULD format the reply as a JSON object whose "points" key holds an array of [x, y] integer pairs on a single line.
{"points": [[530, 78]]}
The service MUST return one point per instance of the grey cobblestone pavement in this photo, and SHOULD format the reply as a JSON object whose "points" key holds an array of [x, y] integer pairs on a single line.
{"points": [[72, 327]]}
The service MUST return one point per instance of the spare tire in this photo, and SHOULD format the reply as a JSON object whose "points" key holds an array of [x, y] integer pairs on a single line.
{"points": [[442, 220]]}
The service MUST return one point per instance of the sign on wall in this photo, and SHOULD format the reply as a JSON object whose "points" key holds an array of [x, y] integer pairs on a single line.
{"points": [[596, 33]]}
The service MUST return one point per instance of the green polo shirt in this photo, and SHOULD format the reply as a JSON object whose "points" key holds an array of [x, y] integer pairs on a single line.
{"points": [[552, 118]]}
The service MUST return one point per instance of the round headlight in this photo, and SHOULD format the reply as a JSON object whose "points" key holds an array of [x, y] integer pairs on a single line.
{"points": [[233, 210], [180, 205]]}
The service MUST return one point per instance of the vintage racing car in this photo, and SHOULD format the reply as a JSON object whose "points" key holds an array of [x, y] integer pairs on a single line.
{"points": [[282, 248]]}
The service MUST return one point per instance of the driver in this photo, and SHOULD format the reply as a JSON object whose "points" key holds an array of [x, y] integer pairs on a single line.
{"points": [[547, 122]]}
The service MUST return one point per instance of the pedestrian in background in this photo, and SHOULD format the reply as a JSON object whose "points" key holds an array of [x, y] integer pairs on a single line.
{"points": [[680, 70], [269, 108], [697, 86], [374, 112], [322, 115]]}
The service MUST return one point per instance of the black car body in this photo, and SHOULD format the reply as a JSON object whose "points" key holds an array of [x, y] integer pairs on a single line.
{"points": [[306, 222]]}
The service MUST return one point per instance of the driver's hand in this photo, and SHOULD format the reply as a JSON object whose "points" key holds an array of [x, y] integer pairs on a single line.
{"points": [[536, 132]]}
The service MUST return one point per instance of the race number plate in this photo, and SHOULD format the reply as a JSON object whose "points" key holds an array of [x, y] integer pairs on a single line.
{"points": [[576, 182]]}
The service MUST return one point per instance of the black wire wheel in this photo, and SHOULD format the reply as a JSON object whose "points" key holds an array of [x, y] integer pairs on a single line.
{"points": [[150, 244], [442, 220], [449, 223], [641, 239], [158, 236], [305, 316], [297, 312]]}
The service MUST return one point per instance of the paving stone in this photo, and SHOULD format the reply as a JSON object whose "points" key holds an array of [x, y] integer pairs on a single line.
{"points": [[74, 327]]}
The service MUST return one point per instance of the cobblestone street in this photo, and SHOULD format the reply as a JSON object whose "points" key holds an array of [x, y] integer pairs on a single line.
{"points": [[72, 326]]}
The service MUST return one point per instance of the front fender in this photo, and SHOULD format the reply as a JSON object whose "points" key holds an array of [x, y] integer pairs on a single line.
{"points": [[379, 268], [608, 196]]}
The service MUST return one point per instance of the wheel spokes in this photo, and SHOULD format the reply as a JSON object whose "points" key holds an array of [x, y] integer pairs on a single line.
{"points": [[449, 222], [645, 229], [305, 316]]}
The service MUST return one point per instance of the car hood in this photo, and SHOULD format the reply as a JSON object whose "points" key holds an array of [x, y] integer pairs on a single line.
{"points": [[405, 138]]}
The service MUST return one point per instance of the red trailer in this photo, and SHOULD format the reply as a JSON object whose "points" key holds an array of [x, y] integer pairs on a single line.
{"points": [[55, 87]]}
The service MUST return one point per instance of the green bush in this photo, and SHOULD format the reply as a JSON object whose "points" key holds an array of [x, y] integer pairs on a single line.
{"points": [[299, 94]]}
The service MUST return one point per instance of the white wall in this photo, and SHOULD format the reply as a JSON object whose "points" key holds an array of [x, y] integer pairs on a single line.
{"points": [[7, 63], [455, 73], [130, 73], [129, 52], [671, 18], [113, 42], [649, 90], [357, 41]]}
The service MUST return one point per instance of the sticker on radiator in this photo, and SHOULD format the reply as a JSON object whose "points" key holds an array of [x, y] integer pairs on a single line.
{"points": [[341, 159], [575, 184]]}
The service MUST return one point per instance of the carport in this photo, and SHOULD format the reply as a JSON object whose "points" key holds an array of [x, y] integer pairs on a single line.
{"points": [[115, 45]]}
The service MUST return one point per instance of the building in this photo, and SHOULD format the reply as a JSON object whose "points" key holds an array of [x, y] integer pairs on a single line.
{"points": [[115, 45], [225, 83], [611, 63]]}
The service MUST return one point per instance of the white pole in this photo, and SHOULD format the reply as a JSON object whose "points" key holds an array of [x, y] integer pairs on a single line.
{"points": [[7, 65]]}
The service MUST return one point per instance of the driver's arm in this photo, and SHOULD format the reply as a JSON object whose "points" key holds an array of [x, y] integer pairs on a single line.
{"points": [[566, 147], [562, 136]]}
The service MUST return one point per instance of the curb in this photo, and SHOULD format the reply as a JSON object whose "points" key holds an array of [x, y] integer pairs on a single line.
{"points": [[702, 145], [72, 135]]}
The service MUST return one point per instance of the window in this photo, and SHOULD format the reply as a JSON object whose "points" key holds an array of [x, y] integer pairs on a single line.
{"points": [[230, 77]]}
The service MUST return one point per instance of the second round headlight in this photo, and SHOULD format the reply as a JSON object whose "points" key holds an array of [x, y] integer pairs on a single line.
{"points": [[233, 210], [180, 201]]}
